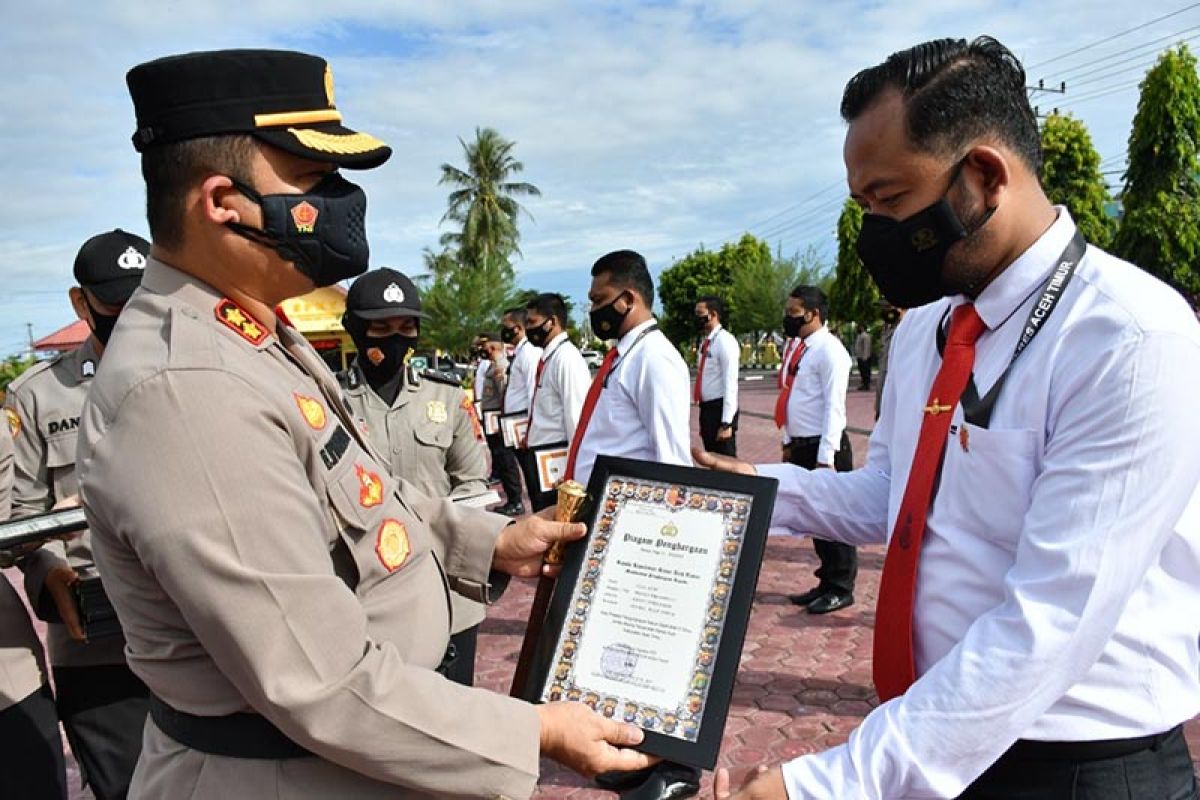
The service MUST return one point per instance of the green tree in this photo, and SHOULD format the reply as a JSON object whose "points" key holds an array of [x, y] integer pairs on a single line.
{"points": [[707, 272], [1071, 177], [483, 202], [853, 296], [1160, 228], [11, 369], [761, 287], [463, 299]]}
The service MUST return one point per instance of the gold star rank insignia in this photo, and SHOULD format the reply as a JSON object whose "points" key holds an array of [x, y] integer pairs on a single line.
{"points": [[312, 410], [14, 422], [392, 544], [436, 411], [370, 492], [240, 322]]}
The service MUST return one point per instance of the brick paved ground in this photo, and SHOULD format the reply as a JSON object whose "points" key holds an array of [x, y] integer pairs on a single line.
{"points": [[804, 681]]}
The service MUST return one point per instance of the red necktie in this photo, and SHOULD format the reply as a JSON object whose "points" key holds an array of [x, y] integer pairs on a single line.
{"points": [[894, 668], [589, 405], [786, 378], [700, 370], [537, 384]]}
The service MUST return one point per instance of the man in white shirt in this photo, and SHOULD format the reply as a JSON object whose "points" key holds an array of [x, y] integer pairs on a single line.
{"points": [[716, 386], [1047, 645], [517, 391], [561, 381], [636, 407], [811, 410], [863, 355]]}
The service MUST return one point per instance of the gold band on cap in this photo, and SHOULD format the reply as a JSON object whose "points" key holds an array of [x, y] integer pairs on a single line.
{"points": [[297, 117], [342, 144]]}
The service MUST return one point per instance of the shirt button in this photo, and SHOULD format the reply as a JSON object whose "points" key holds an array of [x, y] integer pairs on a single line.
{"points": [[396, 449]]}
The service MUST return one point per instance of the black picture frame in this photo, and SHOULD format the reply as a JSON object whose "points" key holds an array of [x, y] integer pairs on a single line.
{"points": [[750, 529]]}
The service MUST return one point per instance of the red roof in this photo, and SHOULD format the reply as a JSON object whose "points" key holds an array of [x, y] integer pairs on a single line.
{"points": [[68, 338]]}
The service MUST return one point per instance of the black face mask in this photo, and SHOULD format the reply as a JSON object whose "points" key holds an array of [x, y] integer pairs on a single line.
{"points": [[792, 325], [323, 231], [538, 336], [380, 357], [606, 320], [508, 335], [102, 324], [702, 323], [906, 257]]}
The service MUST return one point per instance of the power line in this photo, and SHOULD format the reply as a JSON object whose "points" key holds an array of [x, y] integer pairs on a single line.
{"points": [[814, 216], [1105, 93], [1108, 72], [790, 209], [1113, 36], [1101, 60]]}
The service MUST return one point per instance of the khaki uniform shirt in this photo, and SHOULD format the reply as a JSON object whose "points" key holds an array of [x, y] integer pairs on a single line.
{"points": [[430, 438], [43, 405], [22, 670], [264, 559]]}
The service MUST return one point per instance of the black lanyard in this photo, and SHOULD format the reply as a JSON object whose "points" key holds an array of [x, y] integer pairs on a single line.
{"points": [[622, 356], [978, 411], [545, 362]]}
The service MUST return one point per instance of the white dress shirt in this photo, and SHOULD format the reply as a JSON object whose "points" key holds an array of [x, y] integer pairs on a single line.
{"points": [[1060, 572], [720, 378], [481, 371], [558, 401], [817, 404], [521, 371], [643, 412]]}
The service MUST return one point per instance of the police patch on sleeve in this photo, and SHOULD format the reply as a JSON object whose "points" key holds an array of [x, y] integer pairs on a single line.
{"points": [[14, 422], [370, 491], [312, 411], [240, 322], [392, 545]]}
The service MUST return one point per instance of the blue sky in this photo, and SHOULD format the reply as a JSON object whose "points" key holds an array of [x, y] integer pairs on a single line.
{"points": [[658, 125]]}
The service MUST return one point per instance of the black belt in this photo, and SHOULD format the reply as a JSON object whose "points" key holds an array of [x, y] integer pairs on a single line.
{"points": [[1030, 750], [233, 735]]}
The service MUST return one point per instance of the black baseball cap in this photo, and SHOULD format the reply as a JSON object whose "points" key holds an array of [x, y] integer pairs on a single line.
{"points": [[280, 97], [384, 293], [110, 265]]}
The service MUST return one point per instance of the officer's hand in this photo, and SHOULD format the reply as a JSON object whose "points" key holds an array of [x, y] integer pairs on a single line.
{"points": [[521, 546], [577, 737], [763, 784], [703, 458], [59, 581], [724, 433]]}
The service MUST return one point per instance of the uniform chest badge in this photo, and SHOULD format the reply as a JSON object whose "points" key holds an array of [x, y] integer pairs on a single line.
{"points": [[392, 546], [370, 490], [312, 410], [436, 411], [14, 422], [240, 322], [964, 439]]}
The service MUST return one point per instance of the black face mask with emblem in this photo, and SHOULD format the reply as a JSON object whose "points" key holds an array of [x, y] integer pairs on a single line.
{"points": [[322, 231], [381, 358], [102, 324]]}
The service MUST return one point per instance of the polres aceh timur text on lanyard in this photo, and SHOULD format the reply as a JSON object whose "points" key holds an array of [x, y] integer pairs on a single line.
{"points": [[977, 410]]}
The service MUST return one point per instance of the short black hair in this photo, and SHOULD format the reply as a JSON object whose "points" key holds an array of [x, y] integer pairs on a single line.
{"points": [[626, 270], [549, 304], [813, 299], [517, 313], [954, 92], [712, 303], [171, 169]]}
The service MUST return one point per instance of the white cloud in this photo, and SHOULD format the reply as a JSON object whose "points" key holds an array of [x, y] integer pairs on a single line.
{"points": [[655, 126]]}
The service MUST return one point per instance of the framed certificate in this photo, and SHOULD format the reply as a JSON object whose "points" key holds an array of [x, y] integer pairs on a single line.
{"points": [[491, 422], [514, 427], [550, 463], [649, 614]]}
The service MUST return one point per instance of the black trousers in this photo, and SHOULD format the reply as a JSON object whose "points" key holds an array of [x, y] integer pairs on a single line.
{"points": [[103, 710], [864, 373], [537, 499], [504, 465], [33, 766], [839, 562], [710, 424], [1162, 771]]}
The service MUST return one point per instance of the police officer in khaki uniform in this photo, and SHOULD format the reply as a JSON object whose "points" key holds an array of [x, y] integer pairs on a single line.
{"points": [[31, 756], [422, 423], [101, 703], [283, 596]]}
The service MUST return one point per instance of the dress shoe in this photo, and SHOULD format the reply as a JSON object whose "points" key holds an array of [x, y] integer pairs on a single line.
{"points": [[511, 509], [620, 781], [807, 597], [667, 781], [830, 601]]}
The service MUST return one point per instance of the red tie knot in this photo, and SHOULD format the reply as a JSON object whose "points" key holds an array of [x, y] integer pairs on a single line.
{"points": [[965, 325]]}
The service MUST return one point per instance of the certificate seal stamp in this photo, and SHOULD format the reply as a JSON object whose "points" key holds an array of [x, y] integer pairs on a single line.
{"points": [[618, 661]]}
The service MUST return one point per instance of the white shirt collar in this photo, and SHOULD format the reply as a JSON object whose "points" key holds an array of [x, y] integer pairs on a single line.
{"points": [[632, 334], [553, 344], [714, 333]]}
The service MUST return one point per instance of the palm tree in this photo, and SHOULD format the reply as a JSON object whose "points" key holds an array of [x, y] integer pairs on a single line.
{"points": [[483, 202]]}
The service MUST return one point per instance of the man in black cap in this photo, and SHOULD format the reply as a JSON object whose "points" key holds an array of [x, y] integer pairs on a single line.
{"points": [[284, 597], [421, 423], [101, 703]]}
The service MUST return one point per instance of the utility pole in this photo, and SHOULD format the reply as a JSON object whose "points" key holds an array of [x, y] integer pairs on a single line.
{"points": [[1042, 88]]}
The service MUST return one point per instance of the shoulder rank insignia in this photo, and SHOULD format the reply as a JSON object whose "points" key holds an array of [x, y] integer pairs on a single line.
{"points": [[466, 405], [392, 544], [313, 411], [437, 376], [436, 411], [87, 369], [240, 322], [370, 492], [14, 422]]}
